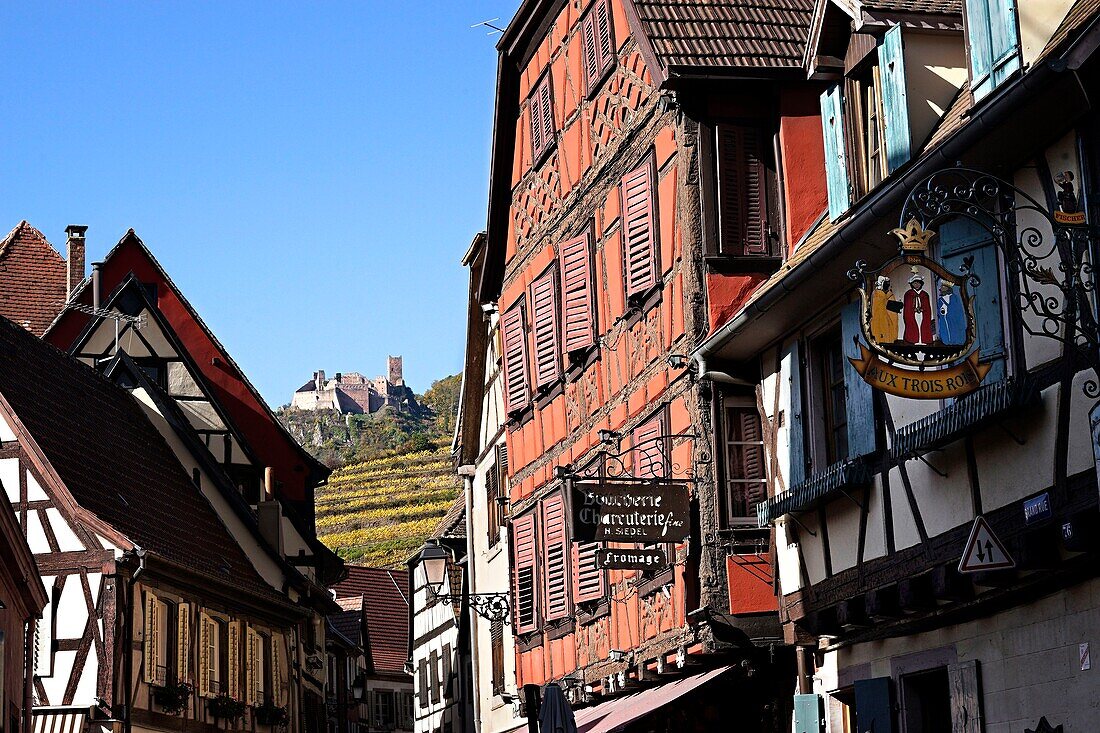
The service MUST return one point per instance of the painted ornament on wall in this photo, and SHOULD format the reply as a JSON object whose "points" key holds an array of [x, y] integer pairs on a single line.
{"points": [[918, 323]]}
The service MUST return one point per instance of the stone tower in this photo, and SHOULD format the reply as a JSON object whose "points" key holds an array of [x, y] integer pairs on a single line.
{"points": [[395, 376]]}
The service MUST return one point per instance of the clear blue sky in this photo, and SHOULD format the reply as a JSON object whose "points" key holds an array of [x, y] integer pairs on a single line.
{"points": [[309, 174]]}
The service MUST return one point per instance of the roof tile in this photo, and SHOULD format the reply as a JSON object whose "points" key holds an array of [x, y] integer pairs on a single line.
{"points": [[33, 279], [386, 594]]}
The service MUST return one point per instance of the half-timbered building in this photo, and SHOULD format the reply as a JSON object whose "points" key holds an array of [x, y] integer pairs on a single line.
{"points": [[935, 537], [653, 163]]}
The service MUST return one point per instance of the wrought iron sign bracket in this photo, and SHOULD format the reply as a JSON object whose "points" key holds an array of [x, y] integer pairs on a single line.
{"points": [[490, 606], [611, 466]]}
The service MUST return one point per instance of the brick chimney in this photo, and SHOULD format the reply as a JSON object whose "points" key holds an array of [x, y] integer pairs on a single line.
{"points": [[74, 254]]}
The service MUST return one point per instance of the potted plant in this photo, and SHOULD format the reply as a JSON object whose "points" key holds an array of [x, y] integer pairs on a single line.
{"points": [[224, 707], [271, 714], [173, 696]]}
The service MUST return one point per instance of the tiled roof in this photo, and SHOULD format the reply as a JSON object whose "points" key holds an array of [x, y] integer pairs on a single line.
{"points": [[347, 622], [937, 7], [1081, 13], [115, 462], [726, 33], [32, 279], [453, 523], [386, 606]]}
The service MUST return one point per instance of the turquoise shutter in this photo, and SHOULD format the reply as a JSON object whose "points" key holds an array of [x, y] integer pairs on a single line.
{"points": [[994, 43], [895, 99], [859, 401], [807, 714], [836, 166], [961, 238], [874, 705], [796, 442], [1005, 40]]}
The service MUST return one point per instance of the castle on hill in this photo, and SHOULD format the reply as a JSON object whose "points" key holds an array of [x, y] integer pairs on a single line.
{"points": [[352, 393]]}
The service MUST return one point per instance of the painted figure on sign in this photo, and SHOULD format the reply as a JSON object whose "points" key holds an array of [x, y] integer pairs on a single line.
{"points": [[951, 320], [917, 312], [884, 312]]}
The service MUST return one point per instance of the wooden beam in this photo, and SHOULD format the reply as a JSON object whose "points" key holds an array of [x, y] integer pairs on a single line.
{"points": [[883, 604], [948, 584], [915, 593]]}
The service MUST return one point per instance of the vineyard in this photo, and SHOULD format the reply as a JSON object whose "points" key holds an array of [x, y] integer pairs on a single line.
{"points": [[378, 512]]}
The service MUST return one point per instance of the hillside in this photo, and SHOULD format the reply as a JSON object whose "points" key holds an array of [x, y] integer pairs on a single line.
{"points": [[378, 512]]}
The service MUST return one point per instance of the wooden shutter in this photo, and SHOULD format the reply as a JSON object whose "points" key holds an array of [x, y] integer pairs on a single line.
{"points": [[233, 684], [588, 577], [544, 328], [836, 163], [604, 34], [183, 642], [422, 679], [994, 43], [524, 574], [742, 191], [277, 695], [555, 552], [253, 655], [151, 640], [960, 238], [859, 401], [808, 714], [448, 683], [875, 705], [433, 672], [639, 229], [745, 474], [649, 454], [796, 444], [597, 43], [515, 358], [206, 657], [542, 119], [895, 99], [577, 294], [966, 697], [496, 641]]}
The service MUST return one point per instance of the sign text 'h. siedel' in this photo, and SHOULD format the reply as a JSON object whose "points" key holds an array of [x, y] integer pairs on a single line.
{"points": [[630, 513]]}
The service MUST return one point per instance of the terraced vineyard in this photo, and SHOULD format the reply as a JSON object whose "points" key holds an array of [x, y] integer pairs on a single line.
{"points": [[379, 512]]}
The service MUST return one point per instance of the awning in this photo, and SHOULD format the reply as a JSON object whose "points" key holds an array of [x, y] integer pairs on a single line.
{"points": [[615, 715]]}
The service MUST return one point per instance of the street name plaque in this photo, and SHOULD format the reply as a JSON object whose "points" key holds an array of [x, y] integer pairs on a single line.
{"points": [[641, 512]]}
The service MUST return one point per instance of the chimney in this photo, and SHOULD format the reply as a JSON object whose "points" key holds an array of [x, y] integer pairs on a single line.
{"points": [[269, 513], [74, 253], [95, 285]]}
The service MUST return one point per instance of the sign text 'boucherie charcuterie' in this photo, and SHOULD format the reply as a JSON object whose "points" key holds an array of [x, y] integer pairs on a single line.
{"points": [[641, 512]]}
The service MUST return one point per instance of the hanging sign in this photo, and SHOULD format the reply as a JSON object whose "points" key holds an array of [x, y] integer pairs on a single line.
{"points": [[1069, 209], [918, 322], [631, 559], [984, 551], [636, 512]]}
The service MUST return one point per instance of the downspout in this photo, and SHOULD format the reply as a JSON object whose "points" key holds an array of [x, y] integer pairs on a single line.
{"points": [[700, 359], [467, 473], [881, 203], [128, 637], [30, 631]]}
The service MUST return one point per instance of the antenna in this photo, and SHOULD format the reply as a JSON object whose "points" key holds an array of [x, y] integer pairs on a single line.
{"points": [[489, 24], [137, 321]]}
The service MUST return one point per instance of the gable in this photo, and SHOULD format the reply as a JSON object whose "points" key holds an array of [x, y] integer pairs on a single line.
{"points": [[32, 279]]}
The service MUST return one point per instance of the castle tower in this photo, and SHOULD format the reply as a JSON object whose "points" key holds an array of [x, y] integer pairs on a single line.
{"points": [[395, 372]]}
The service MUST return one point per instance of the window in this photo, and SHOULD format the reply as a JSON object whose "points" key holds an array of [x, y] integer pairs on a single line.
{"points": [[833, 411], [496, 640], [384, 713], [994, 43], [745, 191], [578, 294], [864, 104], [213, 641], [524, 565], [544, 330], [598, 44], [588, 576], [541, 107], [496, 488], [555, 556], [407, 716], [743, 460], [514, 334], [257, 648], [639, 230], [926, 701]]}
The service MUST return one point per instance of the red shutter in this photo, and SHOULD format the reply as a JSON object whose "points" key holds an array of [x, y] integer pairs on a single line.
{"points": [[588, 583], [639, 229], [555, 549], [544, 327], [742, 201], [603, 32], [648, 452], [535, 107], [525, 591], [577, 294], [542, 118], [515, 358], [547, 113], [589, 46]]}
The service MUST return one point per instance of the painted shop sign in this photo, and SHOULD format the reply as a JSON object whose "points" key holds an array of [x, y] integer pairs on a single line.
{"points": [[918, 323], [637, 512], [631, 559]]}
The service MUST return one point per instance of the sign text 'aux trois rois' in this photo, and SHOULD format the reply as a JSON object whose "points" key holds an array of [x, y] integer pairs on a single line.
{"points": [[630, 512]]}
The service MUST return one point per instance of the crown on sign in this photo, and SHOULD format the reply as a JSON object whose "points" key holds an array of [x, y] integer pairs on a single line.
{"points": [[914, 237]]}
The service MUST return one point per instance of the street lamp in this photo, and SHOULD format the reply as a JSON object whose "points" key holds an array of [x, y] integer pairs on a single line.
{"points": [[358, 687], [434, 559]]}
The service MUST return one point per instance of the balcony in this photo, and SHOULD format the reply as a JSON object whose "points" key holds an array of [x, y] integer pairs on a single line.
{"points": [[817, 489]]}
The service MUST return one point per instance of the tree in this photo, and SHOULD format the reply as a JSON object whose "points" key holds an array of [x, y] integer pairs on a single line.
{"points": [[442, 398]]}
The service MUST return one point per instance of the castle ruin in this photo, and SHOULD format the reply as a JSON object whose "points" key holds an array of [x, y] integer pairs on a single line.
{"points": [[352, 393]]}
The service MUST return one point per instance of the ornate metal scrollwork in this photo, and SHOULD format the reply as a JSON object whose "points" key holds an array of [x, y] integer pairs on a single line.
{"points": [[1051, 280], [490, 606], [654, 455]]}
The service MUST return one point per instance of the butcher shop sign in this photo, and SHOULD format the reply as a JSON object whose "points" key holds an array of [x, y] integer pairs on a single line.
{"points": [[918, 321], [630, 512]]}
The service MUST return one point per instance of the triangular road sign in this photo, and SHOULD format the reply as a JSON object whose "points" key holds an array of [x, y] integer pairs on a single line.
{"points": [[984, 551]]}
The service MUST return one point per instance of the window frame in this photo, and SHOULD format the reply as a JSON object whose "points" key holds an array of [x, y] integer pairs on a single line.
{"points": [[825, 427], [729, 402], [594, 79], [637, 298], [535, 102]]}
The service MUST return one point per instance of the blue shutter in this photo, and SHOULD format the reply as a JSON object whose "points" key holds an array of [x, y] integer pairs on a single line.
{"points": [[836, 166], [960, 238], [859, 399], [807, 714], [874, 706], [994, 43], [796, 442], [895, 99]]}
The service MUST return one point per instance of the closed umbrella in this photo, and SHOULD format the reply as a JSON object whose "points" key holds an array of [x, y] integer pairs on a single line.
{"points": [[556, 716]]}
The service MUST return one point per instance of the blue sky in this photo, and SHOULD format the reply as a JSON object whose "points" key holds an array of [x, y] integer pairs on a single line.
{"points": [[309, 174]]}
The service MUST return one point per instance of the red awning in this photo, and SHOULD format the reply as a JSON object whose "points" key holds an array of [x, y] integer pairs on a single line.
{"points": [[615, 715]]}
